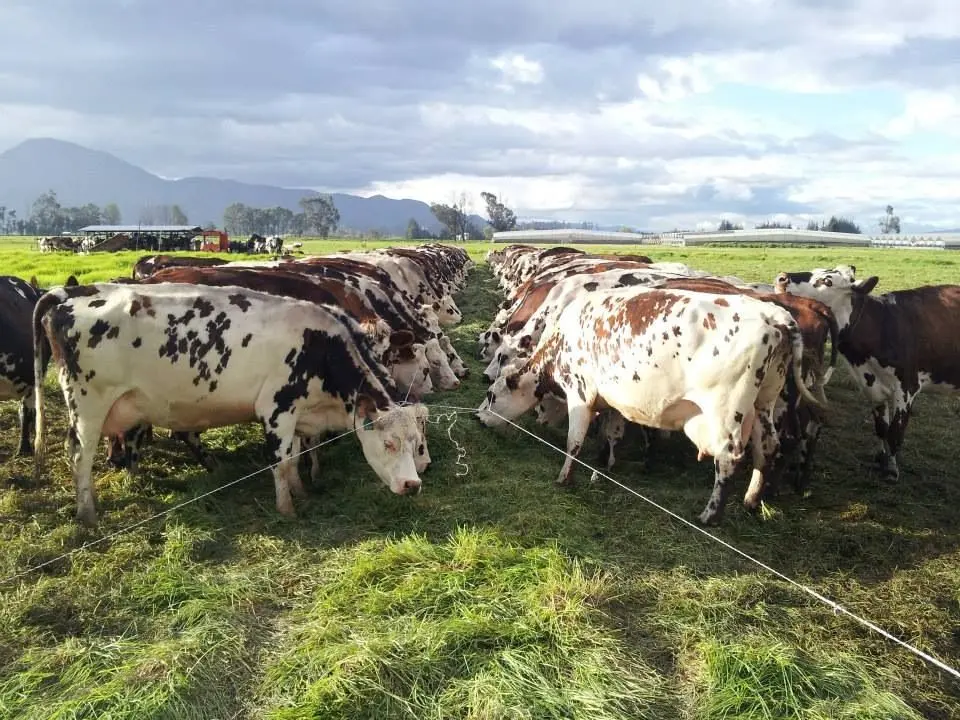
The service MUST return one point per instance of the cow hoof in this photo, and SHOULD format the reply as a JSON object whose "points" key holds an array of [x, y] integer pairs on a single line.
{"points": [[87, 518], [25, 452], [708, 519]]}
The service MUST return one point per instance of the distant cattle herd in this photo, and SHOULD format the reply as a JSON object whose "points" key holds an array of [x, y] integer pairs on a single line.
{"points": [[356, 340], [254, 245]]}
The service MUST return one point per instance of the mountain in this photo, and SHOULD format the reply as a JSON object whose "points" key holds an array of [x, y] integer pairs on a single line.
{"points": [[80, 175]]}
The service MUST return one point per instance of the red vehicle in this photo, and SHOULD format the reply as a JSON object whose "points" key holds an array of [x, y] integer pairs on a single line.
{"points": [[214, 241]]}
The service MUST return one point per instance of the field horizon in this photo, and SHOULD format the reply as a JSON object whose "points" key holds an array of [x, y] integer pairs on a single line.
{"points": [[493, 594]]}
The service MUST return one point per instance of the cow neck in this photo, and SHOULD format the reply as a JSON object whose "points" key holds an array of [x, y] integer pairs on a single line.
{"points": [[858, 304]]}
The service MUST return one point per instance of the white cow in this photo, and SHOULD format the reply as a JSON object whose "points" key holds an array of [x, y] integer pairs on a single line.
{"points": [[710, 365], [190, 358]]}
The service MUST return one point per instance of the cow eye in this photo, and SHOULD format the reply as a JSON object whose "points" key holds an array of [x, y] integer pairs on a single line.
{"points": [[391, 446], [828, 282]]}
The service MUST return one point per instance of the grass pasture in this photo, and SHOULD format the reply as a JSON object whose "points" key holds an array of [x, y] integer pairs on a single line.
{"points": [[492, 594]]}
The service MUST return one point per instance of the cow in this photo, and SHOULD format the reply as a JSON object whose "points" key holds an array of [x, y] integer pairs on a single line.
{"points": [[17, 300], [652, 355], [191, 358], [150, 264], [399, 352], [406, 360], [411, 279], [390, 301], [897, 344], [798, 424]]}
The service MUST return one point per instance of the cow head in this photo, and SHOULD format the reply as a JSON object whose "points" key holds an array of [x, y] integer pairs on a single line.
{"points": [[551, 410], [511, 395], [441, 371], [408, 364], [459, 369], [512, 348], [487, 344], [391, 441], [446, 311], [837, 288]]}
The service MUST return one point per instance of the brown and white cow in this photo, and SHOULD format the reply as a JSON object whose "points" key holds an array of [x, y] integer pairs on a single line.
{"points": [[711, 365], [897, 344], [190, 358]]}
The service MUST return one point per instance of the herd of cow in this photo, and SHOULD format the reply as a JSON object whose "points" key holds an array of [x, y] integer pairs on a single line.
{"points": [[305, 347], [355, 340], [608, 339]]}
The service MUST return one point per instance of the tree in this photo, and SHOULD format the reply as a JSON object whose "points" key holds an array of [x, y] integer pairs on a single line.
{"points": [[45, 214], [13, 224], [414, 231], [772, 225], [320, 215], [452, 219], [813, 225], [177, 216], [501, 217], [111, 214], [890, 223], [726, 226], [841, 225]]}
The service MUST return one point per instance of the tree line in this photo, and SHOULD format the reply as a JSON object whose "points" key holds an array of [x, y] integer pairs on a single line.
{"points": [[888, 224], [49, 217], [319, 216]]}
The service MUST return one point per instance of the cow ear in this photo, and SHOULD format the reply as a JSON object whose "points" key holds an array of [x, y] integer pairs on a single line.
{"points": [[34, 283], [72, 281], [865, 286], [367, 408]]}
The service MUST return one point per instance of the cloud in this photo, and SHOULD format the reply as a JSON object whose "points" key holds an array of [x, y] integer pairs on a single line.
{"points": [[635, 113]]}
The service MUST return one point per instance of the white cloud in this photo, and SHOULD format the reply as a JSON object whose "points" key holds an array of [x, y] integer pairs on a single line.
{"points": [[518, 70], [926, 110]]}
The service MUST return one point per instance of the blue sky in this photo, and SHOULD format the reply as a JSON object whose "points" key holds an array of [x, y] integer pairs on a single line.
{"points": [[656, 116]]}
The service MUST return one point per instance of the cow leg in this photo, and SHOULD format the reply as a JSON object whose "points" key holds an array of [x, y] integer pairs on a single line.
{"points": [[27, 414], [612, 428], [296, 484], [195, 446], [890, 423], [766, 445], [723, 468], [578, 422], [133, 440], [83, 438], [807, 446], [896, 430], [279, 435]]}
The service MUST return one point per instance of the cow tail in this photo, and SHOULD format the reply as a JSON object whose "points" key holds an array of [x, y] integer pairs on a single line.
{"points": [[796, 341], [41, 357], [834, 342]]}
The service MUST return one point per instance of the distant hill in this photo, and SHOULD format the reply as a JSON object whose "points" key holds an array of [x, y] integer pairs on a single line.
{"points": [[80, 175]]}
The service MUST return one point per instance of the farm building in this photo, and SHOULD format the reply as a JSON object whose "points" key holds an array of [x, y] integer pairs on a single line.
{"points": [[776, 236], [159, 238]]}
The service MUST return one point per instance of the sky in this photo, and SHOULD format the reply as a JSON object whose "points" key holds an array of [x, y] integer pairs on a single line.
{"points": [[656, 116]]}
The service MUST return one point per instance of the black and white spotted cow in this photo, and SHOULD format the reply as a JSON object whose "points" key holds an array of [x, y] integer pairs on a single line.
{"points": [[711, 365], [897, 344], [17, 300], [191, 358]]}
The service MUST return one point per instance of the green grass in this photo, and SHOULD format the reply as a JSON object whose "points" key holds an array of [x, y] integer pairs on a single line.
{"points": [[490, 595]]}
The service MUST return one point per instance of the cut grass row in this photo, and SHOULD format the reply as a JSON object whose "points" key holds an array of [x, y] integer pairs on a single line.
{"points": [[490, 595]]}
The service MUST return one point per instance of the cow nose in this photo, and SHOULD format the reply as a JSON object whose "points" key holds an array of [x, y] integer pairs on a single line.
{"points": [[411, 485], [455, 384]]}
